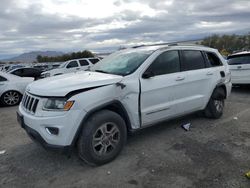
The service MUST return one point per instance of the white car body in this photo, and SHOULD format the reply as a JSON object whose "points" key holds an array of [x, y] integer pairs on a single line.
{"points": [[13, 83], [239, 64], [145, 101], [73, 65]]}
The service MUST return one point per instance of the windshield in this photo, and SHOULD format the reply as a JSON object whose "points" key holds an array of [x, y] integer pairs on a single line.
{"points": [[122, 62], [239, 59]]}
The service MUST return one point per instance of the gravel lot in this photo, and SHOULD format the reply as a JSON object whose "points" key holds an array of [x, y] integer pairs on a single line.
{"points": [[214, 153]]}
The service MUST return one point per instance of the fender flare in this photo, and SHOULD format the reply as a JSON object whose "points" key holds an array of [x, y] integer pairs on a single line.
{"points": [[98, 108], [219, 92]]}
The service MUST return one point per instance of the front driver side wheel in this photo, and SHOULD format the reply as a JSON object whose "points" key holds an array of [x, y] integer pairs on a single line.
{"points": [[103, 137]]}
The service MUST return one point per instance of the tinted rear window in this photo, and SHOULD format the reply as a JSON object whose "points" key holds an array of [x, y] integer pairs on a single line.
{"points": [[239, 59]]}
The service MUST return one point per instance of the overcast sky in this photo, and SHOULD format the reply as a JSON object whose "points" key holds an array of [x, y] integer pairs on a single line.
{"points": [[101, 25]]}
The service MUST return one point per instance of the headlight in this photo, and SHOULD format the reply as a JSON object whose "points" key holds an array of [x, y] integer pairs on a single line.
{"points": [[60, 104]]}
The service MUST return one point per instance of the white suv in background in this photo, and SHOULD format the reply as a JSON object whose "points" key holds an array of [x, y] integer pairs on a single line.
{"points": [[239, 64], [127, 91], [71, 66]]}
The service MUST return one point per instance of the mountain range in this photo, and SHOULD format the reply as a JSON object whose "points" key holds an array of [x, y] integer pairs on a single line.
{"points": [[31, 56]]}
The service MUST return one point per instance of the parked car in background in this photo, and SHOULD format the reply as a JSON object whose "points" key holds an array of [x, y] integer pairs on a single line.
{"points": [[71, 66], [12, 88], [26, 72], [127, 91], [46, 66], [239, 64], [7, 68]]}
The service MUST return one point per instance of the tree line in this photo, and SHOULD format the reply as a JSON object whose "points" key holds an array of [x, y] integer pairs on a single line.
{"points": [[228, 44], [65, 57]]}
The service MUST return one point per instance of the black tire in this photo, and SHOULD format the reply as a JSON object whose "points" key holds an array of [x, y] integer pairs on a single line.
{"points": [[11, 98], [110, 144], [214, 108]]}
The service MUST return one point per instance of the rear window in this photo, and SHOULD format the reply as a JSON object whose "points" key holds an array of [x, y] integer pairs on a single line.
{"points": [[239, 59]]}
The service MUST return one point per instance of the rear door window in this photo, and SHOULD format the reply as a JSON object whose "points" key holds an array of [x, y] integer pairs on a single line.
{"points": [[239, 59], [192, 60], [83, 62]]}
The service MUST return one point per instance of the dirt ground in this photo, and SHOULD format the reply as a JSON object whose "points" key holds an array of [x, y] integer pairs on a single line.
{"points": [[214, 153]]}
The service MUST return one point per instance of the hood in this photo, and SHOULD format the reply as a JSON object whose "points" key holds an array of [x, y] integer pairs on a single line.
{"points": [[59, 86]]}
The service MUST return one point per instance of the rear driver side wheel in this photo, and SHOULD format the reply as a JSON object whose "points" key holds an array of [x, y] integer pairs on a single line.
{"points": [[214, 108], [11, 98]]}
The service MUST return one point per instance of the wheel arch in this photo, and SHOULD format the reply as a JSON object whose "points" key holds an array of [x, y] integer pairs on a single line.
{"points": [[16, 90], [219, 92], [115, 106]]}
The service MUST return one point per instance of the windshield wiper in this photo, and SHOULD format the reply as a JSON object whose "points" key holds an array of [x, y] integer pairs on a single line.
{"points": [[108, 72]]}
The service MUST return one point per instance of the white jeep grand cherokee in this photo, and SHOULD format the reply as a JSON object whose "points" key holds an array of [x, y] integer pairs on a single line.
{"points": [[129, 90]]}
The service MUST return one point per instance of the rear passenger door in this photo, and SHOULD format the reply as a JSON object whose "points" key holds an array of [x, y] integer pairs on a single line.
{"points": [[162, 87], [84, 64], [198, 81], [240, 68]]}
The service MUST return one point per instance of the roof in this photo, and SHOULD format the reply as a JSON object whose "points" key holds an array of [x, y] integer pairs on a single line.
{"points": [[241, 53], [164, 46]]}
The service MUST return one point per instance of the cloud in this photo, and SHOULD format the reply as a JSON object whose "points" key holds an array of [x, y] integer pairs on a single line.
{"points": [[27, 25]]}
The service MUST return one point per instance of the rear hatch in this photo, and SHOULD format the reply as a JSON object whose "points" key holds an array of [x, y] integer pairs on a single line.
{"points": [[240, 67]]}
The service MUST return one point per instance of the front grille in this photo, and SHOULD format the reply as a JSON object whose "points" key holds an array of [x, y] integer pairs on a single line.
{"points": [[30, 103]]}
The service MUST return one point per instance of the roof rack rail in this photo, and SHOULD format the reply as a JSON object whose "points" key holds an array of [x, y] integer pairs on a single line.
{"points": [[183, 43]]}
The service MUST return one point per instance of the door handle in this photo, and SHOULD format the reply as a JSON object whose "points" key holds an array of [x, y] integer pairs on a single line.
{"points": [[77, 68], [180, 78], [209, 73], [239, 67]]}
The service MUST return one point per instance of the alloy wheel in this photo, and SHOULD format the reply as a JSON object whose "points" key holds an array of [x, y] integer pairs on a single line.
{"points": [[219, 105], [11, 98], [106, 139]]}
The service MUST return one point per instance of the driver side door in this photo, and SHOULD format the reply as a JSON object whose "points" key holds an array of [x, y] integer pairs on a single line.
{"points": [[162, 87]]}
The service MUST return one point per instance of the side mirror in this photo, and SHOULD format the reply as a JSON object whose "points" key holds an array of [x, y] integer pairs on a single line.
{"points": [[147, 74]]}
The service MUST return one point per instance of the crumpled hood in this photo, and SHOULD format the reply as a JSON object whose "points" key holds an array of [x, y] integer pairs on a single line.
{"points": [[59, 86]]}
